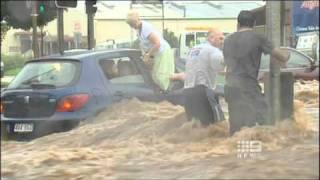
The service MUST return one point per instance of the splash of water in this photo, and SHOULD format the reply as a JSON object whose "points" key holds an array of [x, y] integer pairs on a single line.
{"points": [[132, 136]]}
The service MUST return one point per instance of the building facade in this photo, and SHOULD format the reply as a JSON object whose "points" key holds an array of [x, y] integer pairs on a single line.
{"points": [[175, 16]]}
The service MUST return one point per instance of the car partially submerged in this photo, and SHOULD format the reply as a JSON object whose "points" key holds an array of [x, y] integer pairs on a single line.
{"points": [[57, 92]]}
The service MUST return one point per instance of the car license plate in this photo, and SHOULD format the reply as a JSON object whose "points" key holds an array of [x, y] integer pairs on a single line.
{"points": [[23, 127]]}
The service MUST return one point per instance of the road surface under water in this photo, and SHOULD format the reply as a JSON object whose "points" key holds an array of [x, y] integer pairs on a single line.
{"points": [[139, 140]]}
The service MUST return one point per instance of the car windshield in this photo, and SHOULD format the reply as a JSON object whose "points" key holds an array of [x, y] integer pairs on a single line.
{"points": [[50, 74]]}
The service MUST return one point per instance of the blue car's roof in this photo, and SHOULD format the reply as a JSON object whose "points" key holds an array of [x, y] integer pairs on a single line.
{"points": [[86, 54]]}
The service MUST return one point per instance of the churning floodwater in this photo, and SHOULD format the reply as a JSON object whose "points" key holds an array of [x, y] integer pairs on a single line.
{"points": [[143, 140]]}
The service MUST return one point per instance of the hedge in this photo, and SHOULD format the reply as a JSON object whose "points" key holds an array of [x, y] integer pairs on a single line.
{"points": [[13, 61]]}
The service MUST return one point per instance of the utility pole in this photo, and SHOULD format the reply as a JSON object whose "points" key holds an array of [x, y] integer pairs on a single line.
{"points": [[90, 31], [273, 28], [61, 4], [162, 3], [60, 30], [41, 42], [131, 30], [34, 16], [282, 23], [91, 9]]}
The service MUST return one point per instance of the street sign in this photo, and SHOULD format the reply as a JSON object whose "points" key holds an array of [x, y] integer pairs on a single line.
{"points": [[305, 16], [77, 27]]}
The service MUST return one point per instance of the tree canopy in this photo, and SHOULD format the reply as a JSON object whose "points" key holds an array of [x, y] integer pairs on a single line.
{"points": [[17, 14], [171, 38]]}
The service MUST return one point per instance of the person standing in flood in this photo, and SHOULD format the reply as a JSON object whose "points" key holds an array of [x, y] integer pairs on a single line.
{"points": [[157, 51], [203, 63], [242, 54]]}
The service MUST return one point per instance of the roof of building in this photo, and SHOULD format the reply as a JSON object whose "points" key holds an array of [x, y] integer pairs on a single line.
{"points": [[177, 9]]}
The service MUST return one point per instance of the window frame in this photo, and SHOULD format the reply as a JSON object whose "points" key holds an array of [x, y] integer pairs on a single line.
{"points": [[310, 60], [119, 56]]}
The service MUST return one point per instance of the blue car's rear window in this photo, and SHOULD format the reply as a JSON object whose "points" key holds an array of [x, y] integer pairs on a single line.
{"points": [[51, 73]]}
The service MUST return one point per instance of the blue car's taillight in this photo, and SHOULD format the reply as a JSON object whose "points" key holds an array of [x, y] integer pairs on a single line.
{"points": [[72, 103], [1, 108]]}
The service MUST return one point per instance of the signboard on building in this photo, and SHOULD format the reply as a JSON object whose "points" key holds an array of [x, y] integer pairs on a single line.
{"points": [[77, 27], [305, 16]]}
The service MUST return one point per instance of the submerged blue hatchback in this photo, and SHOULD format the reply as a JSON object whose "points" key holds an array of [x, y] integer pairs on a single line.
{"points": [[57, 92]]}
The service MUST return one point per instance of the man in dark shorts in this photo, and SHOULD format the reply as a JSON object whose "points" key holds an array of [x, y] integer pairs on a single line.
{"points": [[242, 54], [203, 63]]}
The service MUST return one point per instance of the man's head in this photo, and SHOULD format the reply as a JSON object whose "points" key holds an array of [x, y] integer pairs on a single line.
{"points": [[215, 37], [246, 19], [133, 19]]}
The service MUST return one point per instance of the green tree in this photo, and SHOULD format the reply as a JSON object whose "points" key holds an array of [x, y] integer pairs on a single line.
{"points": [[18, 15], [171, 38], [4, 12], [4, 29]]}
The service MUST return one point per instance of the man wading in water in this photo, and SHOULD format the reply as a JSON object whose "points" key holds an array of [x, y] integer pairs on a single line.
{"points": [[203, 63], [242, 54]]}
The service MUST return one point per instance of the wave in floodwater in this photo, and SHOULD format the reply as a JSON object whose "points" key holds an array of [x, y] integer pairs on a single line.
{"points": [[135, 139], [308, 92]]}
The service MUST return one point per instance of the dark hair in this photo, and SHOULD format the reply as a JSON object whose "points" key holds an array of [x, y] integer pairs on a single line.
{"points": [[246, 19]]}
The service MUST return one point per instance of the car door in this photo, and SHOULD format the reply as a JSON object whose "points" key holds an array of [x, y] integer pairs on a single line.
{"points": [[125, 79]]}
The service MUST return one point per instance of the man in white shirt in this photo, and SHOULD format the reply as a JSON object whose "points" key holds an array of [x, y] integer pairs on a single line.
{"points": [[203, 63]]}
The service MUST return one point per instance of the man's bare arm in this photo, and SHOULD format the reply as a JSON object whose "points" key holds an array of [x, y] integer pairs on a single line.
{"points": [[156, 44], [178, 76], [223, 73], [307, 75], [280, 56]]}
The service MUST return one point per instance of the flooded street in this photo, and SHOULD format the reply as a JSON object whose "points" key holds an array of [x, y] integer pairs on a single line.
{"points": [[139, 140]]}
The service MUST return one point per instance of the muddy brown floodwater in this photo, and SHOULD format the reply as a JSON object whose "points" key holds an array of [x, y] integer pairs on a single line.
{"points": [[140, 140]]}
